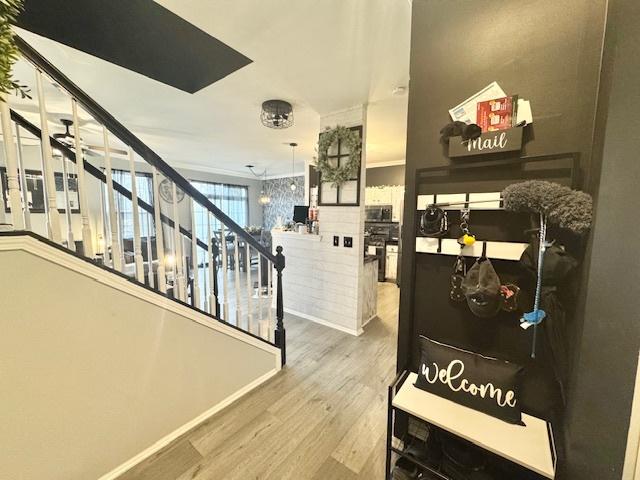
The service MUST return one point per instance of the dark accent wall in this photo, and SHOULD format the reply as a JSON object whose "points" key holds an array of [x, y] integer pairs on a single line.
{"points": [[548, 52], [139, 35], [379, 176], [606, 363]]}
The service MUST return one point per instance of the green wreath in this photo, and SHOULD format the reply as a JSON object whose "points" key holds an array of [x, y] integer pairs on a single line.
{"points": [[9, 11], [338, 174]]}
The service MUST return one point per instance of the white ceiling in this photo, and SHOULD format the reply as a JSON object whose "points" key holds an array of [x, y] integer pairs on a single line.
{"points": [[322, 56]]}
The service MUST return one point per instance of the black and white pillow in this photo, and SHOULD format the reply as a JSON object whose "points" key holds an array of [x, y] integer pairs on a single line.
{"points": [[486, 384]]}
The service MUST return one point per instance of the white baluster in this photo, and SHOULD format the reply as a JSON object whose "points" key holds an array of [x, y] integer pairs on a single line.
{"points": [[5, 226], [213, 301], [262, 329], [247, 266], [87, 236], [15, 200], [104, 235], [236, 259], [150, 251], [179, 279], [194, 257], [71, 244], [116, 249], [225, 279], [269, 301], [53, 216], [23, 181], [137, 237], [162, 278]]}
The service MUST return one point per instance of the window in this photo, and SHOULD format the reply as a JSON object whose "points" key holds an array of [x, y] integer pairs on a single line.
{"points": [[144, 186], [233, 200]]}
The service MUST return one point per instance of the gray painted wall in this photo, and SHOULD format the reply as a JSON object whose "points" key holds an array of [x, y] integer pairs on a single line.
{"points": [[91, 376], [605, 367], [378, 176]]}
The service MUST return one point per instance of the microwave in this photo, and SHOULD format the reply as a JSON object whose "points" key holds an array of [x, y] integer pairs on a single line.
{"points": [[378, 213]]}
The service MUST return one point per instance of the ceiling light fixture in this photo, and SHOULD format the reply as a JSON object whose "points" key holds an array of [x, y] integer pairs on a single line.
{"points": [[292, 185], [264, 199], [276, 114]]}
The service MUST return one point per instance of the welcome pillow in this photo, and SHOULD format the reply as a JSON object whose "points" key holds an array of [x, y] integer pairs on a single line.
{"points": [[483, 383]]}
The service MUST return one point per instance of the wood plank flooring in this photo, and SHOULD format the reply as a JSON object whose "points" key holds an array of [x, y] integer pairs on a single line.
{"points": [[322, 418]]}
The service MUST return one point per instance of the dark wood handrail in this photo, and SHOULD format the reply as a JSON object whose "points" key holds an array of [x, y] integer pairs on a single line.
{"points": [[138, 146], [97, 173]]}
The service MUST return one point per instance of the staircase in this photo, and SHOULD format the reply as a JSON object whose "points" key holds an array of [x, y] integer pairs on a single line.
{"points": [[203, 273], [114, 345]]}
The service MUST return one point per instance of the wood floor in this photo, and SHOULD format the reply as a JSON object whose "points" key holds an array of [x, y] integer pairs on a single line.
{"points": [[322, 417]]}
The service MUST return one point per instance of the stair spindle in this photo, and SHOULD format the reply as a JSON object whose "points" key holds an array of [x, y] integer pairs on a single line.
{"points": [[150, 251], [162, 274], [225, 278], [53, 216], [211, 271], [247, 266], [179, 279], [195, 293], [71, 244], [23, 181], [236, 261], [15, 200], [87, 236], [137, 237], [116, 249]]}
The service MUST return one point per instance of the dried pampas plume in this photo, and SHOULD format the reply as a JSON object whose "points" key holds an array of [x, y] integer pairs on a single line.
{"points": [[570, 209]]}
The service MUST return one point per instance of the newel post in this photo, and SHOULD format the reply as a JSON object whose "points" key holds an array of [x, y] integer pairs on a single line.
{"points": [[281, 334]]}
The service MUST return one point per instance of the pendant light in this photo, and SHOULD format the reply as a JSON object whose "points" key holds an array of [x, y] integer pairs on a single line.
{"points": [[264, 199], [293, 185]]}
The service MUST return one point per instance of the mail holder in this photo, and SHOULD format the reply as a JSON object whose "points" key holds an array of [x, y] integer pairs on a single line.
{"points": [[499, 141]]}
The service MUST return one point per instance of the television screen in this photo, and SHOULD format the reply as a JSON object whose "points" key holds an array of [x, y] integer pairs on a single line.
{"points": [[300, 213]]}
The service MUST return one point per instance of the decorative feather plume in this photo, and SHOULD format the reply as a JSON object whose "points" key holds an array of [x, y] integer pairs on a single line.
{"points": [[567, 208]]}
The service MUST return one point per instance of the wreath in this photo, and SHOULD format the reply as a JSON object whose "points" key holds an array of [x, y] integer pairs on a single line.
{"points": [[9, 11], [338, 174]]}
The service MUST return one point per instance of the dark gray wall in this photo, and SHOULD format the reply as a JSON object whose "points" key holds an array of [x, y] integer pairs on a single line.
{"points": [[378, 176], [600, 403], [547, 51]]}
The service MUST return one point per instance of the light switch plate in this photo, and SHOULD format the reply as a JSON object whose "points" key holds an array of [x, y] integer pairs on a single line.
{"points": [[348, 242], [336, 241]]}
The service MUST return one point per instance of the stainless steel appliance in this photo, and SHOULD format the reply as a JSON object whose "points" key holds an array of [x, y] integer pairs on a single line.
{"points": [[378, 213], [380, 236]]}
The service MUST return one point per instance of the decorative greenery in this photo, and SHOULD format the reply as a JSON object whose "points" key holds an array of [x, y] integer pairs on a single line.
{"points": [[338, 174], [9, 10], [253, 229]]}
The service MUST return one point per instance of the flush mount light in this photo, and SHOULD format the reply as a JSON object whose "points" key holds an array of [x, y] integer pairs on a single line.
{"points": [[276, 114]]}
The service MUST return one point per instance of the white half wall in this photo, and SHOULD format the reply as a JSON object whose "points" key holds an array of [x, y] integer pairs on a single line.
{"points": [[96, 373]]}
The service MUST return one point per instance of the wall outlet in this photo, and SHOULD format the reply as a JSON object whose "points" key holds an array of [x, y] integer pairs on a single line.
{"points": [[336, 241], [348, 242]]}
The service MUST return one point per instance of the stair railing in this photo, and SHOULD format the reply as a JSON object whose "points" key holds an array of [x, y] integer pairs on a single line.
{"points": [[180, 265]]}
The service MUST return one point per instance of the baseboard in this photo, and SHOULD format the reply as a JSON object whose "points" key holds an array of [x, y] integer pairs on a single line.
{"points": [[306, 316], [367, 322], [163, 442]]}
